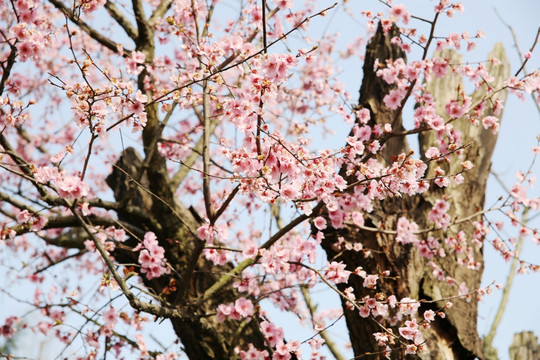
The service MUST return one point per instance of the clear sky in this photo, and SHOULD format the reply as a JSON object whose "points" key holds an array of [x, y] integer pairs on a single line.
{"points": [[519, 128]]}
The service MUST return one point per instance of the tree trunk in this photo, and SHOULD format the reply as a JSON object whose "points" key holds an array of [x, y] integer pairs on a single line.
{"points": [[525, 346], [455, 336], [202, 336]]}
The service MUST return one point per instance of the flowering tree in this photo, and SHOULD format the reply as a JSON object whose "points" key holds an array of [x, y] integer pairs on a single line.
{"points": [[224, 116]]}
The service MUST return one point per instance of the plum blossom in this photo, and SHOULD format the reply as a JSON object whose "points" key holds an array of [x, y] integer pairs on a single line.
{"points": [[152, 257], [241, 308], [408, 306], [336, 272], [23, 217], [399, 12], [394, 98], [370, 281], [110, 316], [491, 122], [432, 153], [406, 231], [9, 328], [253, 353], [429, 315], [273, 333], [320, 223], [45, 174], [71, 187], [209, 233], [363, 116], [244, 307], [410, 331], [439, 214]]}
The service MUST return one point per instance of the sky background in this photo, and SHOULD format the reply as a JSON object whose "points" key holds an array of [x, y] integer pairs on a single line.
{"points": [[519, 128]]}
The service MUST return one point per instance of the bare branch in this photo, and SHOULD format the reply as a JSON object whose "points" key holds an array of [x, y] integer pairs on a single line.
{"points": [[124, 22], [94, 34]]}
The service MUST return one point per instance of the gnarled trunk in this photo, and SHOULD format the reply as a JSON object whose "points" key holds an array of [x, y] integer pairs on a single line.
{"points": [[455, 336]]}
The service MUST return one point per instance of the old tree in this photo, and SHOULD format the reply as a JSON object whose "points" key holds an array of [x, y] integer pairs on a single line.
{"points": [[162, 161]]}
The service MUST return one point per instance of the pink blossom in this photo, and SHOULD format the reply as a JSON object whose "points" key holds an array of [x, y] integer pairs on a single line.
{"points": [[23, 217], [400, 12], [491, 122], [151, 257], [381, 338], [45, 174], [364, 311], [432, 152], [410, 330], [143, 348], [429, 315], [408, 306], [244, 307], [273, 333], [363, 116], [253, 353], [320, 223], [138, 57], [9, 328], [209, 233], [394, 98], [251, 251], [71, 187], [405, 231], [336, 272], [357, 218], [370, 281], [38, 223], [110, 316], [411, 349], [284, 4], [439, 214], [459, 179], [222, 312]]}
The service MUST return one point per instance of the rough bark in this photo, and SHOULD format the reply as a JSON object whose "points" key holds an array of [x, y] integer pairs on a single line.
{"points": [[525, 346], [454, 337]]}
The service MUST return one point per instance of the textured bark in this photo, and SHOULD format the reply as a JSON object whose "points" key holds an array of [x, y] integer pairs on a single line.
{"points": [[454, 337], [525, 346]]}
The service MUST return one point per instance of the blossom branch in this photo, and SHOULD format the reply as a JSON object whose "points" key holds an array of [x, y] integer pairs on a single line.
{"points": [[225, 279], [327, 340], [96, 35], [124, 22], [516, 44], [221, 68], [488, 340], [206, 154], [134, 301]]}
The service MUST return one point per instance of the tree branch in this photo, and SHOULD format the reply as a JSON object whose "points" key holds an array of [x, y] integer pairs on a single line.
{"points": [[124, 22], [96, 35]]}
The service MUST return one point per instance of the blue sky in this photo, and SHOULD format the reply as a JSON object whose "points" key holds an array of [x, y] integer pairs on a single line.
{"points": [[519, 128]]}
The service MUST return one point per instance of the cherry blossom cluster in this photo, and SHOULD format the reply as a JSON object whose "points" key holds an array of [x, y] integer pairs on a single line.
{"points": [[68, 186], [241, 308], [152, 257]]}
